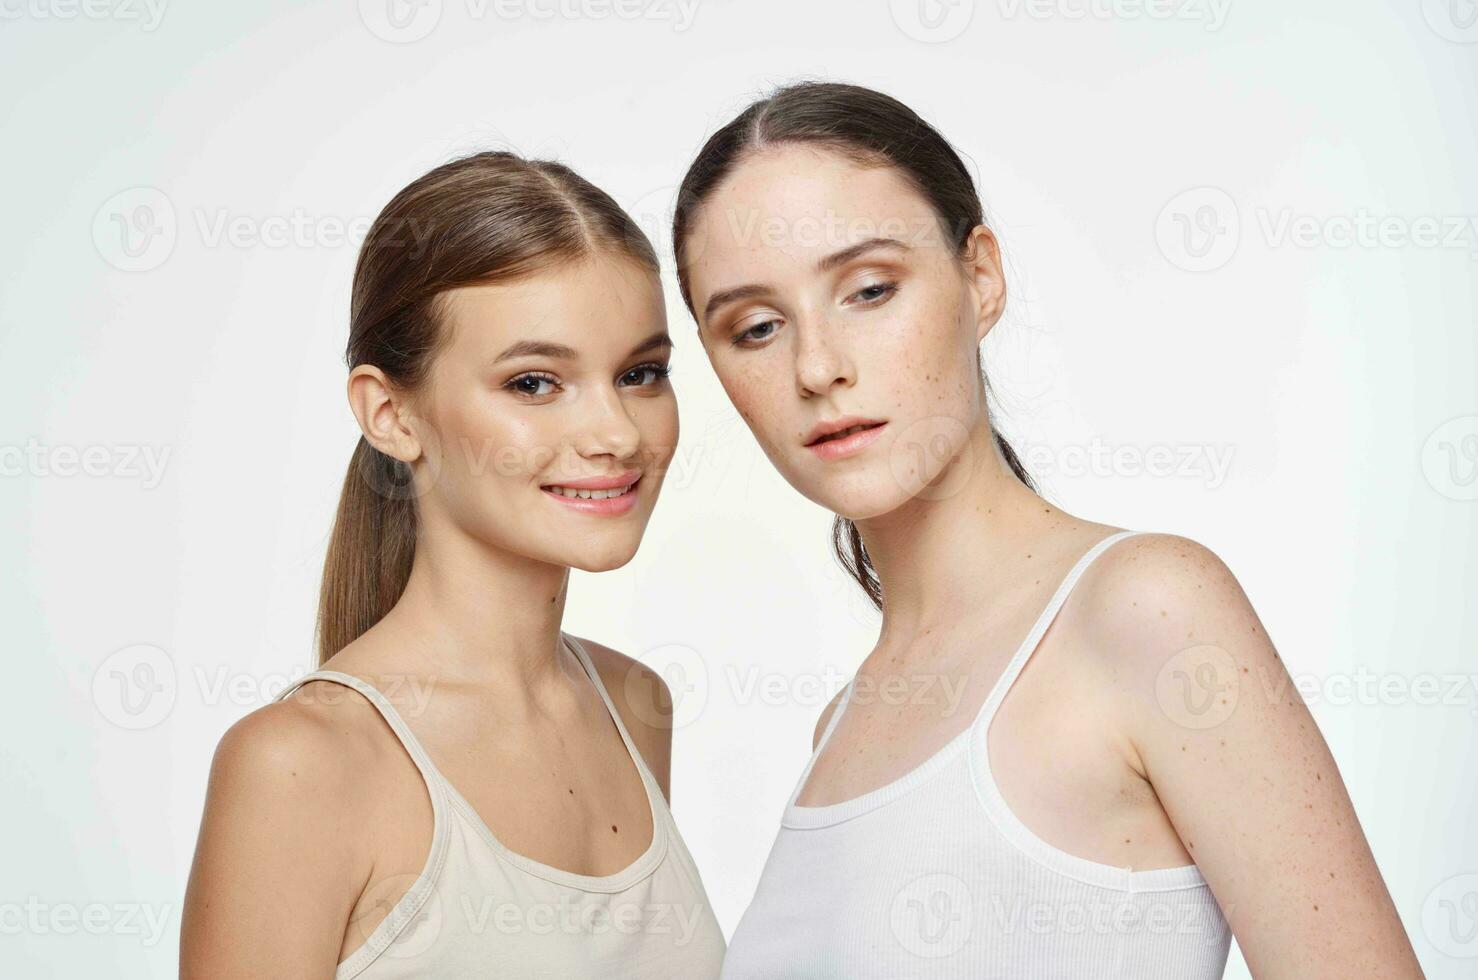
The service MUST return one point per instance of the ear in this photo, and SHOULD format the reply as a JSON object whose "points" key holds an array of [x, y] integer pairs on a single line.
{"points": [[982, 260], [382, 414]]}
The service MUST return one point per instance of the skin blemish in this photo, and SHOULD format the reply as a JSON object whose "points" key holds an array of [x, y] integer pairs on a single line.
{"points": [[613, 828]]}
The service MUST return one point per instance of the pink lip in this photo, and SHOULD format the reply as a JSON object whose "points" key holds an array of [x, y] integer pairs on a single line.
{"points": [[823, 429], [600, 482], [609, 507], [848, 445]]}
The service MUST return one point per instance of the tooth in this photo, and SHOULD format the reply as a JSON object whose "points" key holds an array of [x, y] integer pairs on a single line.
{"points": [[589, 494]]}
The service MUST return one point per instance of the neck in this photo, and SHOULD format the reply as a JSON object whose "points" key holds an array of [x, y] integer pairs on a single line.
{"points": [[937, 559], [477, 614]]}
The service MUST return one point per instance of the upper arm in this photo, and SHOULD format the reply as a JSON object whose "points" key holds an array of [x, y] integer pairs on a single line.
{"points": [[645, 704], [275, 874], [1240, 766]]}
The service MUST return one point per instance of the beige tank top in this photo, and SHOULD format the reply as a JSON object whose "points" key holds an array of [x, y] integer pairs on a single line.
{"points": [[478, 909]]}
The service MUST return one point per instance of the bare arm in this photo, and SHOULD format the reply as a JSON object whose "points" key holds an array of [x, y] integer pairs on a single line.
{"points": [[1241, 768], [275, 874]]}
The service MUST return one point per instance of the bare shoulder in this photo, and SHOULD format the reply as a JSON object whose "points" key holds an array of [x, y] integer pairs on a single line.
{"points": [[1157, 610], [288, 802], [1217, 726], [1160, 588], [644, 701], [309, 751]]}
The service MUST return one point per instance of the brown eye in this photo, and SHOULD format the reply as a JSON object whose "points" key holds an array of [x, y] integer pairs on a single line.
{"points": [[655, 370], [530, 384]]}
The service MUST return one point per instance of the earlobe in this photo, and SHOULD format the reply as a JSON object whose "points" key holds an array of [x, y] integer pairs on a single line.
{"points": [[374, 401], [988, 284]]}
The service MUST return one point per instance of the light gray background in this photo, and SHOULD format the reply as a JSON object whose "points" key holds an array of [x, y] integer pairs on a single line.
{"points": [[1242, 253]]}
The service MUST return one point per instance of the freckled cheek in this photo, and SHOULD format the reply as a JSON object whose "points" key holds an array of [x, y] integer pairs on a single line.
{"points": [[925, 364], [760, 397]]}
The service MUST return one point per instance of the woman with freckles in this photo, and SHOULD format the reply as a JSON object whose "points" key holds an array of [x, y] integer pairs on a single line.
{"points": [[1113, 792], [463, 789]]}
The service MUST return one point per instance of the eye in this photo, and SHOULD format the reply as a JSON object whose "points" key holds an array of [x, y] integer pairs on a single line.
{"points": [[529, 384], [871, 294], [655, 370], [756, 332]]}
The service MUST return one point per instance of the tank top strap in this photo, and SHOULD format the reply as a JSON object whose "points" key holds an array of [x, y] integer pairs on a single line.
{"points": [[636, 757], [1039, 628], [831, 724], [433, 777]]}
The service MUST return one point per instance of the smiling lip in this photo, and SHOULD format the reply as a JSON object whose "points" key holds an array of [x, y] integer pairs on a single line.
{"points": [[599, 502], [828, 445]]}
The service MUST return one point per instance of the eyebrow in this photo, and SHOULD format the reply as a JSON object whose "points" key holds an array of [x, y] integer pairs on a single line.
{"points": [[824, 264], [543, 348]]}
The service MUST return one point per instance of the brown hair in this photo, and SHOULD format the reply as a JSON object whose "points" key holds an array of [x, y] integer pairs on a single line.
{"points": [[485, 218], [872, 129]]}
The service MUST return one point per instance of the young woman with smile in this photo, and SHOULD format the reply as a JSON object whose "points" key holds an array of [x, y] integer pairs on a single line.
{"points": [[463, 789], [1115, 791]]}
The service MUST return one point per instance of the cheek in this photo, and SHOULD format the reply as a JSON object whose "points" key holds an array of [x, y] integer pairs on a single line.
{"points": [[490, 444], [928, 359], [657, 421], [759, 394]]}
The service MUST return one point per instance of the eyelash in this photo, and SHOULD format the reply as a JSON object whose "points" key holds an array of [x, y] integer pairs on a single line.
{"points": [[660, 370], [888, 289]]}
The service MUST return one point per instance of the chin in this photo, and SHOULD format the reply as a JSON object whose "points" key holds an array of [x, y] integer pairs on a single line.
{"points": [[858, 503], [601, 559]]}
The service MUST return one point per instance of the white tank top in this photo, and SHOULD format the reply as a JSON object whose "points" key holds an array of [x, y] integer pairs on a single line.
{"points": [[478, 909], [932, 875]]}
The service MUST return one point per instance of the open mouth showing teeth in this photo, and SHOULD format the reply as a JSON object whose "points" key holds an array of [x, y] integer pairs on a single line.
{"points": [[591, 494], [843, 433]]}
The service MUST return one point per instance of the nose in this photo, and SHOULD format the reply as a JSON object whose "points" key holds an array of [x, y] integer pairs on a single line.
{"points": [[820, 362], [607, 429]]}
